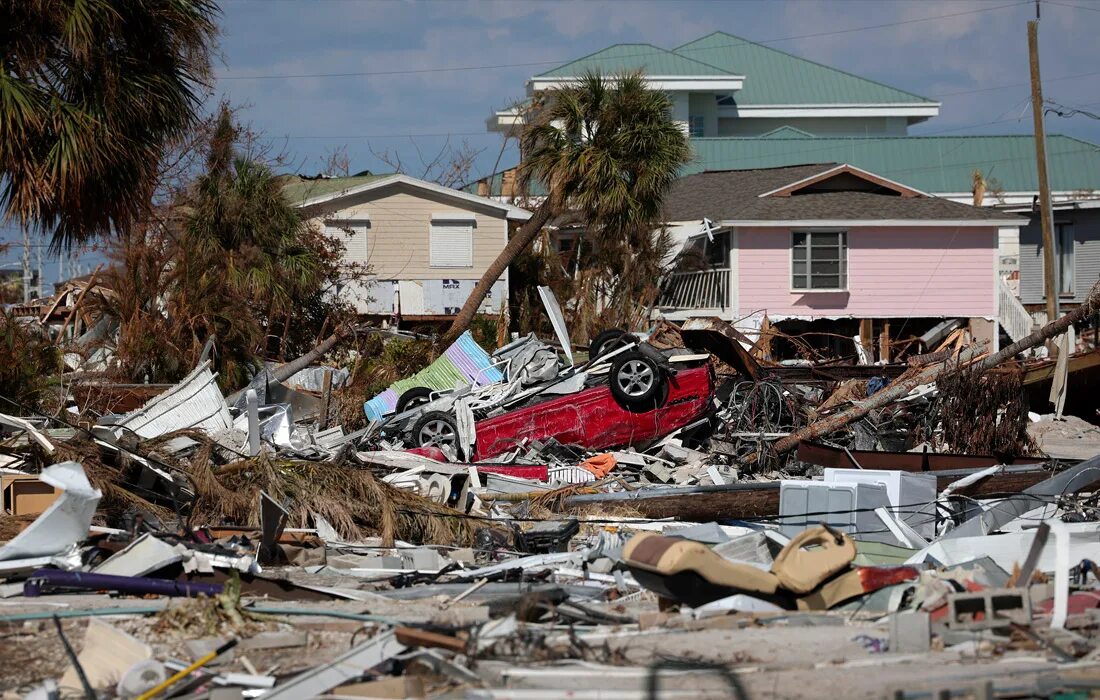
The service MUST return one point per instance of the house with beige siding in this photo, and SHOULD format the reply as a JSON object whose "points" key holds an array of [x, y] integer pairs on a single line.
{"points": [[426, 245]]}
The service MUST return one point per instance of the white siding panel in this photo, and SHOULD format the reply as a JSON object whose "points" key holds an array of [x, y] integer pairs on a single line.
{"points": [[196, 402]]}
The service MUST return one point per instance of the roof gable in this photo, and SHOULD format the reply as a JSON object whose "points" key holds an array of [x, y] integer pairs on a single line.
{"points": [[774, 77], [844, 178], [626, 58], [340, 188], [786, 132]]}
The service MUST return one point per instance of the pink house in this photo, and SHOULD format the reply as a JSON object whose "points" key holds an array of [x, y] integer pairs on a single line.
{"points": [[835, 250]]}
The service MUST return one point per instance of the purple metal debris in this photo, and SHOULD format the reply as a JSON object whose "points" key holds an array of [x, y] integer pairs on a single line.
{"points": [[45, 580]]}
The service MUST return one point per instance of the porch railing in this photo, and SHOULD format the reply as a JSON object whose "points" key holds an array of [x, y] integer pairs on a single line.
{"points": [[1012, 315], [704, 289]]}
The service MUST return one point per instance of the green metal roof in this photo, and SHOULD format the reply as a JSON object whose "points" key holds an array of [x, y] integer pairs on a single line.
{"points": [[774, 77], [299, 189], [930, 163], [624, 58], [938, 164]]}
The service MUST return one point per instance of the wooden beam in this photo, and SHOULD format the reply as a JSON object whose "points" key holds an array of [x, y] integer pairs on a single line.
{"points": [[884, 342]]}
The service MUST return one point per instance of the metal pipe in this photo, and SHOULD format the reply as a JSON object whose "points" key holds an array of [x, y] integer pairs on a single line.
{"points": [[44, 580], [151, 609]]}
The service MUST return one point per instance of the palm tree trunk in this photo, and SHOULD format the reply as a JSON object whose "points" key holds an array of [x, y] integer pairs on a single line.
{"points": [[284, 372], [516, 245]]}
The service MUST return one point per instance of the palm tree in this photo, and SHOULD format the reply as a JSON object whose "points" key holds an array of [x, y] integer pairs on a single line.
{"points": [[244, 237], [239, 217], [603, 147], [91, 94]]}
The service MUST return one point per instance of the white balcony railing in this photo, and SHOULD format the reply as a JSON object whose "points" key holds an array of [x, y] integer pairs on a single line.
{"points": [[704, 289], [1012, 315]]}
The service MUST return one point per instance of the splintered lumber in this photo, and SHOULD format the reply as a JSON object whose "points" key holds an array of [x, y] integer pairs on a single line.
{"points": [[901, 388]]}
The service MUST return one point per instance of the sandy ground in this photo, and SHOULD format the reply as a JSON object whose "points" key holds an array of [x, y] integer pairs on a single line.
{"points": [[1067, 438]]}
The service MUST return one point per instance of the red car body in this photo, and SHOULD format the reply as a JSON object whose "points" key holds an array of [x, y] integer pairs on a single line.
{"points": [[594, 419]]}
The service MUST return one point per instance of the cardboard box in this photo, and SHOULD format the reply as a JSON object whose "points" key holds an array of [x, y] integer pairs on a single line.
{"points": [[25, 494]]}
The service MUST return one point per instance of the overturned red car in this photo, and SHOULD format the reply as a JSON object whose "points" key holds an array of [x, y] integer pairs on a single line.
{"points": [[596, 419]]}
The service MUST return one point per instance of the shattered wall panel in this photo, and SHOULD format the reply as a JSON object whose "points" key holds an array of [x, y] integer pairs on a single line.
{"points": [[196, 402]]}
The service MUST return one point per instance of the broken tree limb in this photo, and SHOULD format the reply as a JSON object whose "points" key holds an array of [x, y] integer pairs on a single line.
{"points": [[896, 391], [900, 389], [1089, 306], [285, 372]]}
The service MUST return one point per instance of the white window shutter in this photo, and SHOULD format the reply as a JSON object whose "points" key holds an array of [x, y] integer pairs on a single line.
{"points": [[354, 234], [452, 244]]}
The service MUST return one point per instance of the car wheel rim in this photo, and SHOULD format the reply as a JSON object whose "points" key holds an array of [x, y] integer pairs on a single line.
{"points": [[418, 401], [635, 378], [437, 432]]}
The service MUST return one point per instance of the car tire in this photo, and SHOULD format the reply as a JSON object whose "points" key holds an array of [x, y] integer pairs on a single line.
{"points": [[636, 381], [417, 396], [437, 429], [608, 340]]}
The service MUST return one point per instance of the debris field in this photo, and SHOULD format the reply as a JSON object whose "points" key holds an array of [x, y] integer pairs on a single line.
{"points": [[672, 514]]}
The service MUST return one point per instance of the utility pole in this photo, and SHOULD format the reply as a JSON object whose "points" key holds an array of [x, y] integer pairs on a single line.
{"points": [[38, 260], [26, 264], [1046, 216]]}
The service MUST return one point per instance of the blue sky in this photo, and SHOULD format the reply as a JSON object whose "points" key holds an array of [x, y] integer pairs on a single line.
{"points": [[965, 61], [308, 116]]}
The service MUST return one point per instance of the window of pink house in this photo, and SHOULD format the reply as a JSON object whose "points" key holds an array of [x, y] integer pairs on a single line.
{"points": [[819, 260]]}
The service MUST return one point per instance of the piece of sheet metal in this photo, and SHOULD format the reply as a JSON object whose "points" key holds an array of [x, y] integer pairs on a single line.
{"points": [[557, 320], [65, 522], [829, 456], [725, 342], [1008, 509], [143, 556], [348, 666], [463, 363], [195, 402]]}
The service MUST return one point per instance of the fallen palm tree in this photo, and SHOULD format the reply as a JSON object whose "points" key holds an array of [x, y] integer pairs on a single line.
{"points": [[351, 498]]}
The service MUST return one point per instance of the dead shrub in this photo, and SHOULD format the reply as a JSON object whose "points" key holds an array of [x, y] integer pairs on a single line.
{"points": [[985, 413], [29, 371]]}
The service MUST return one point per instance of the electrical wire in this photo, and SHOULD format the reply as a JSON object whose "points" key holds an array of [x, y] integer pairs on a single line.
{"points": [[681, 50], [1076, 7], [1067, 112]]}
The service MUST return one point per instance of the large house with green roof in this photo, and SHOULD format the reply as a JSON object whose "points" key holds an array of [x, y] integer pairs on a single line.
{"points": [[747, 106], [752, 111], [723, 85], [750, 107]]}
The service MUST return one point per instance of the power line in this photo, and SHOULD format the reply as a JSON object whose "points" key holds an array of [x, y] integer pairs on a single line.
{"points": [[452, 69], [466, 134], [1076, 7], [1012, 85], [1067, 112]]}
